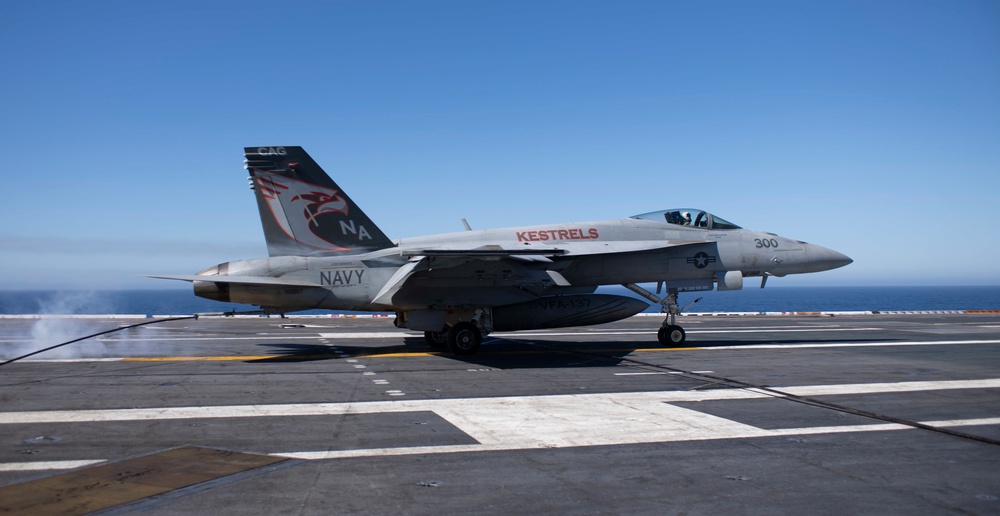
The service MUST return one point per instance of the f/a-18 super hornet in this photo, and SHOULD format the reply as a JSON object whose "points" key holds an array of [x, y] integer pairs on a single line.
{"points": [[325, 253]]}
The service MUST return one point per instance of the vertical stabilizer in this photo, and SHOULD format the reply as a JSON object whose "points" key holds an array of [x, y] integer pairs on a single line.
{"points": [[305, 213]]}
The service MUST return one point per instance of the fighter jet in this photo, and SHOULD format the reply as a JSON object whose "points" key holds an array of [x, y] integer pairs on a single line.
{"points": [[326, 253]]}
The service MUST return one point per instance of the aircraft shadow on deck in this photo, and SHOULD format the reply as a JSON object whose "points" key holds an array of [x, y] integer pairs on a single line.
{"points": [[503, 353], [291, 352], [497, 353]]}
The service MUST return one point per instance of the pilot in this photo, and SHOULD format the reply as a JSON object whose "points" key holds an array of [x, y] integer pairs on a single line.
{"points": [[687, 218]]}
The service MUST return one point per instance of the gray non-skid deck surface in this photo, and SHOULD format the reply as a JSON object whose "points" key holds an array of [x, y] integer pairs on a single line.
{"points": [[580, 420]]}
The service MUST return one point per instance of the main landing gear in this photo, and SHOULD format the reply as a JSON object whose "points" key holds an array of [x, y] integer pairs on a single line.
{"points": [[669, 334], [436, 339], [463, 338]]}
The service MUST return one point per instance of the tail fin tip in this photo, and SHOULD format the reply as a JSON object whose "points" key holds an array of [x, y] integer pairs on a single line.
{"points": [[302, 210]]}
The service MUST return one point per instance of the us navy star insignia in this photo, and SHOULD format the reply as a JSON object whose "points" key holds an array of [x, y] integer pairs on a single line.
{"points": [[701, 260]]}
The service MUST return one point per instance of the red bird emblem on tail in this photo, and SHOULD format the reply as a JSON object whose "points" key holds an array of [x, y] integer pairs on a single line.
{"points": [[318, 203]]}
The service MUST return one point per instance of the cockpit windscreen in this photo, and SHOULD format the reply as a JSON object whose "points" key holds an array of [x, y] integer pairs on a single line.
{"points": [[688, 217]]}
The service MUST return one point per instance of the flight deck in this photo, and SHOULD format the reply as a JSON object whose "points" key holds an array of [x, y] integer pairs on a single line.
{"points": [[810, 413]]}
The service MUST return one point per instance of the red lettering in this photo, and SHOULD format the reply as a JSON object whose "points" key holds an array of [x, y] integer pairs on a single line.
{"points": [[557, 234]]}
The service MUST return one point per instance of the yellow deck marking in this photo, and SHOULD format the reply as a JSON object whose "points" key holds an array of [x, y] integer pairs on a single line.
{"points": [[206, 359], [275, 358], [109, 485]]}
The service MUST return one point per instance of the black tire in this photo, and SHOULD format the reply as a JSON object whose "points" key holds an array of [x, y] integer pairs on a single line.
{"points": [[436, 339], [671, 336], [464, 339]]}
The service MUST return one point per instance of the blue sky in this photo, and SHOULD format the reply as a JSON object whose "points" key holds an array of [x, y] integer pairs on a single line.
{"points": [[871, 127]]}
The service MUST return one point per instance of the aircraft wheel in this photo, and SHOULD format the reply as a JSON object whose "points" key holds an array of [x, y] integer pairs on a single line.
{"points": [[436, 339], [671, 336], [464, 338]]}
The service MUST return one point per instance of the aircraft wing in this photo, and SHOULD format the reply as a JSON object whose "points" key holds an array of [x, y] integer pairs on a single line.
{"points": [[244, 280], [543, 252], [473, 253], [420, 259], [490, 253], [626, 246]]}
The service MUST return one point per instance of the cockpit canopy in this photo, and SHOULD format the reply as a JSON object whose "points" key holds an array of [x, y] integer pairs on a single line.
{"points": [[688, 217]]}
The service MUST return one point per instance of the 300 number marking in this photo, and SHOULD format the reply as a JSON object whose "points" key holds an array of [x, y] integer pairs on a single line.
{"points": [[767, 242]]}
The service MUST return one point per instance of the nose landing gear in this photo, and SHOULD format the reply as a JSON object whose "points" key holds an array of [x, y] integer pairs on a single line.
{"points": [[669, 334]]}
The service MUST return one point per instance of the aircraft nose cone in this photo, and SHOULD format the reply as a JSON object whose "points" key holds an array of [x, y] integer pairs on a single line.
{"points": [[823, 259]]}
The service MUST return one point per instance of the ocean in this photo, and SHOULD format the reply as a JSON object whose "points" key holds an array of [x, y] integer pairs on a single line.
{"points": [[770, 299]]}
